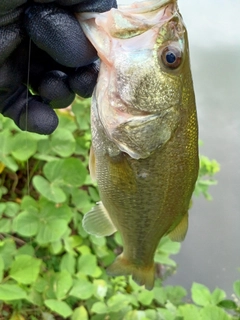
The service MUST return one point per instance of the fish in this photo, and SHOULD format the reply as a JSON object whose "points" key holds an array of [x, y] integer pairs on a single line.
{"points": [[144, 153]]}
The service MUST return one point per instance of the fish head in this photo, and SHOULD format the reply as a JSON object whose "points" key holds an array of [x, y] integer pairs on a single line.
{"points": [[148, 70], [144, 49], [144, 66]]}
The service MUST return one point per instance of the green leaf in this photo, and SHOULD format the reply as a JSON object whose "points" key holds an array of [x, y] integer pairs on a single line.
{"points": [[56, 247], [169, 246], [26, 249], [80, 313], [7, 123], [27, 223], [53, 222], [7, 251], [163, 258], [94, 194], [48, 190], [5, 149], [66, 120], [189, 312], [84, 249], [2, 208], [100, 308], [117, 302], [72, 242], [146, 297], [213, 313], [81, 200], [160, 295], [25, 269], [165, 314], [63, 142], [82, 288], [151, 314], [81, 111], [1, 268], [201, 294], [47, 316], [69, 172], [228, 304], [236, 288], [12, 209], [68, 262], [10, 292], [62, 284], [35, 297], [23, 146], [83, 145], [136, 315], [44, 148], [100, 288], [28, 202], [87, 264], [99, 241], [5, 225], [59, 307], [118, 239], [217, 296], [9, 162], [175, 294], [165, 248], [41, 283]]}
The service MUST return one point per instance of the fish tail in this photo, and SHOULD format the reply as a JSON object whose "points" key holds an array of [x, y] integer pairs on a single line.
{"points": [[141, 275]]}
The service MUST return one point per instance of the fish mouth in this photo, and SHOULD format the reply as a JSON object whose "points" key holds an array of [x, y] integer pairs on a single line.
{"points": [[132, 20], [146, 6]]}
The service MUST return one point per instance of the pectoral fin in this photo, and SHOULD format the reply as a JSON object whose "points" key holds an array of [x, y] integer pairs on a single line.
{"points": [[98, 222], [178, 234]]}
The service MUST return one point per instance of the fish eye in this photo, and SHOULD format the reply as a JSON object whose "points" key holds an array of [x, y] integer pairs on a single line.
{"points": [[171, 57]]}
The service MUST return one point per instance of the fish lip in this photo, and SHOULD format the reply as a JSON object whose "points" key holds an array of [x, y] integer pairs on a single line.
{"points": [[145, 6]]}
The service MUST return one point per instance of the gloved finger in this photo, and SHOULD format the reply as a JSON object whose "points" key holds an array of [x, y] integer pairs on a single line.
{"points": [[83, 80], [10, 37], [44, 1], [8, 5], [38, 117], [12, 16], [95, 6], [68, 2], [40, 63], [58, 32], [55, 90], [29, 112], [12, 72]]}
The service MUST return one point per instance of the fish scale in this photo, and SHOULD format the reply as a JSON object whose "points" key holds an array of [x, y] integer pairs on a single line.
{"points": [[144, 152]]}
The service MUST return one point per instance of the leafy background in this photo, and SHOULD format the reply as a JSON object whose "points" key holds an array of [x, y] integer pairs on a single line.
{"points": [[49, 267]]}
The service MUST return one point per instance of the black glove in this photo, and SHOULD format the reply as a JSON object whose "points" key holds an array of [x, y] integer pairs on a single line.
{"points": [[58, 62]]}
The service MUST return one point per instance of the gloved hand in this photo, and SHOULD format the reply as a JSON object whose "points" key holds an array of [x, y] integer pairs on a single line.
{"points": [[56, 63]]}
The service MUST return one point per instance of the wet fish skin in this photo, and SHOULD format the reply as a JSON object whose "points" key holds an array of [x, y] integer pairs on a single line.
{"points": [[144, 133]]}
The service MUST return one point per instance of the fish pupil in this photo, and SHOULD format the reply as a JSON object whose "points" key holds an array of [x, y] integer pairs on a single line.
{"points": [[170, 57]]}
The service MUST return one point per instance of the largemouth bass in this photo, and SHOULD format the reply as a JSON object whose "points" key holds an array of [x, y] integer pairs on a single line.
{"points": [[144, 152]]}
